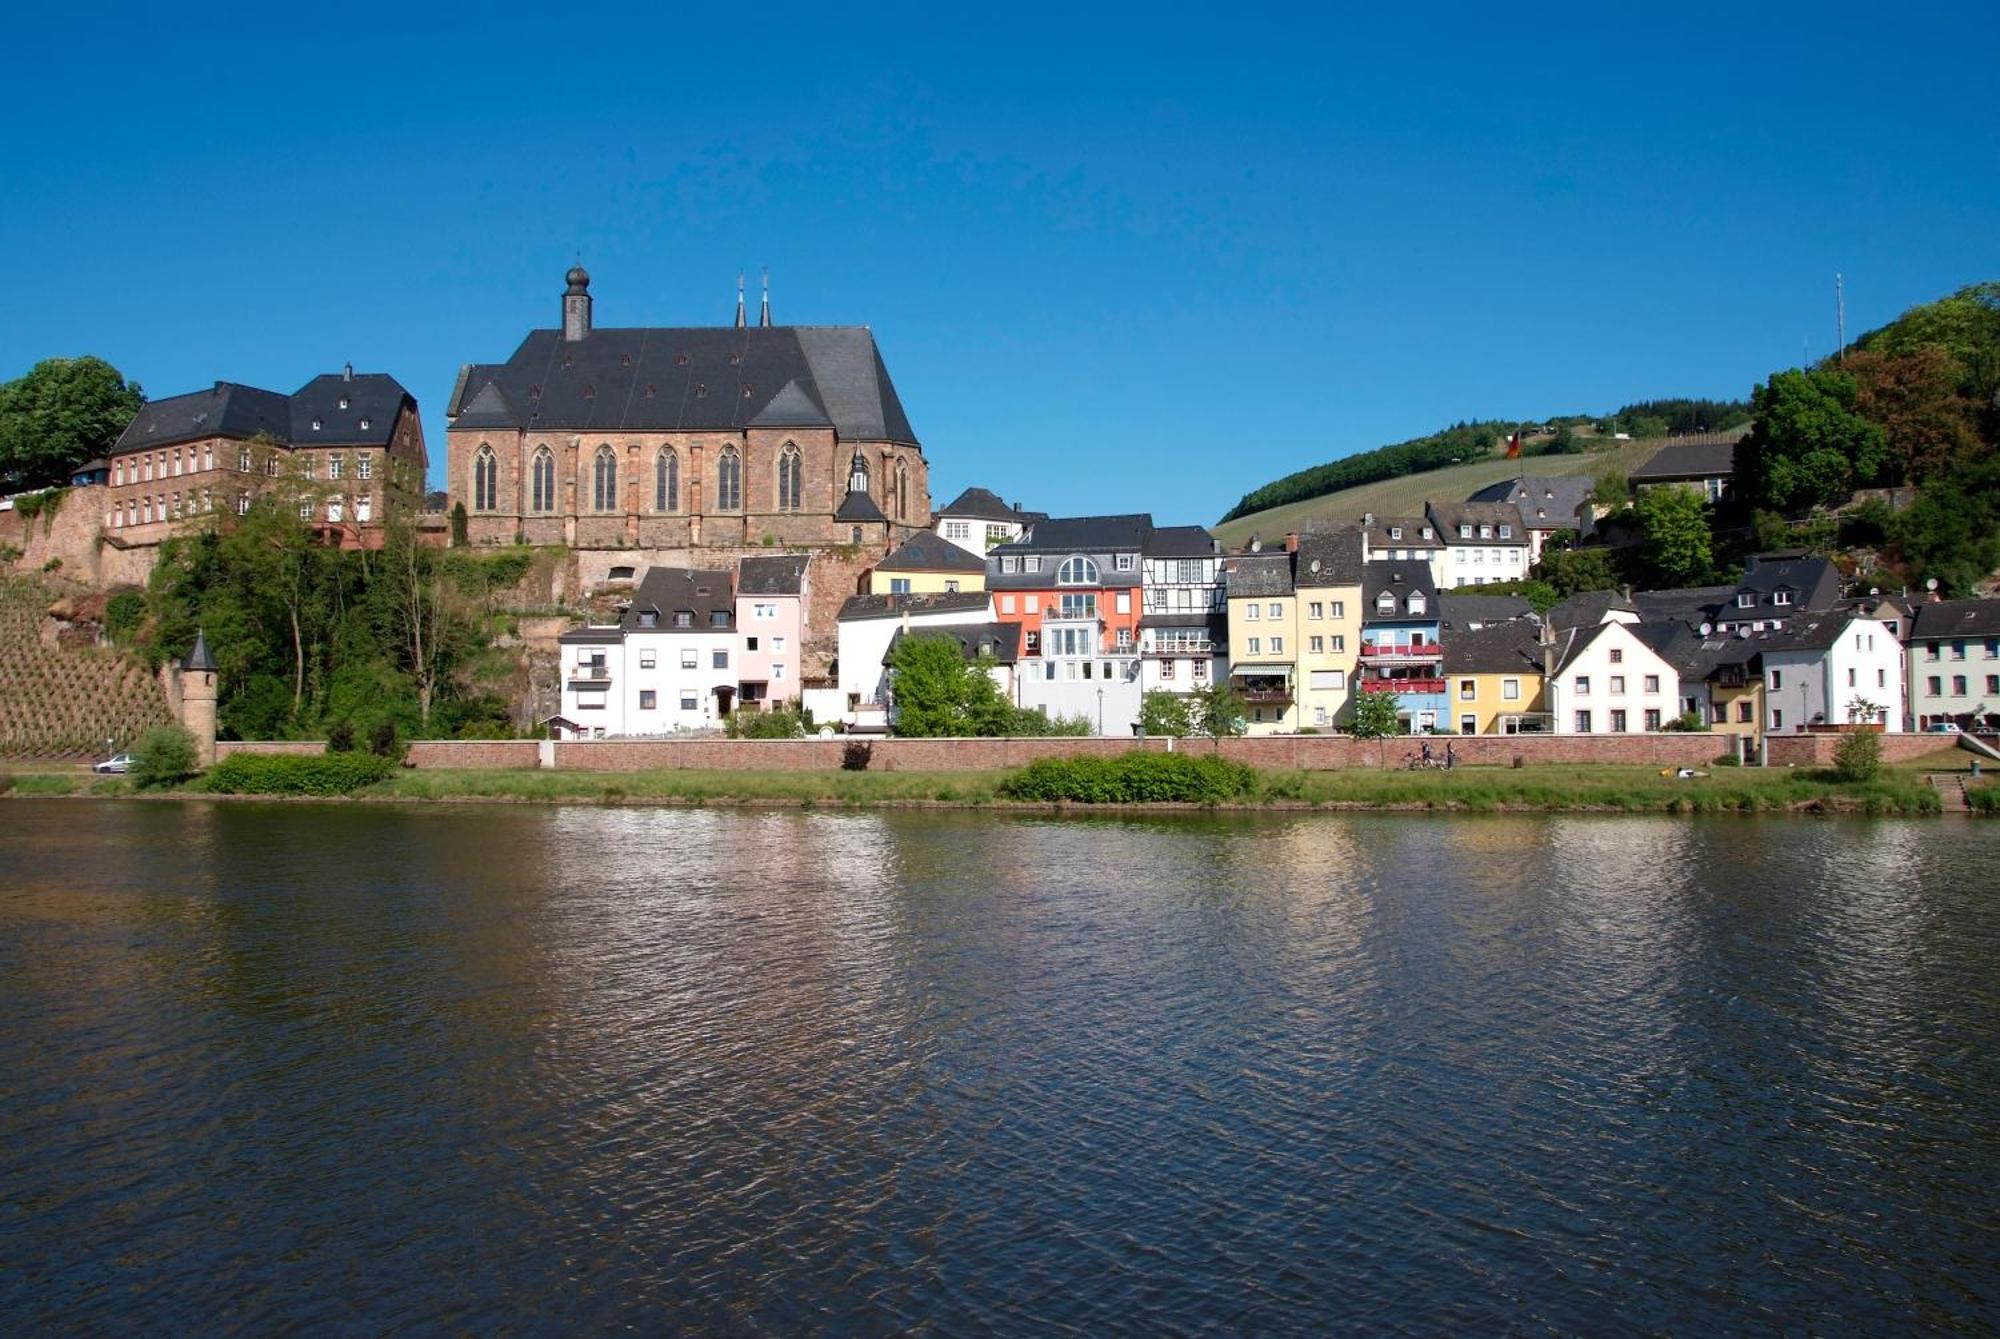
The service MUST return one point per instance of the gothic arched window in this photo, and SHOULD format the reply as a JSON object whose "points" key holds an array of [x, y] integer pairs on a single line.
{"points": [[604, 480], [544, 475], [485, 479], [902, 491], [729, 480], [666, 480], [791, 479]]}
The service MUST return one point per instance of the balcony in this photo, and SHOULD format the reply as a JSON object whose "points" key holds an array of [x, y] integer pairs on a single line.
{"points": [[1402, 685], [1263, 690], [1393, 653], [590, 674]]}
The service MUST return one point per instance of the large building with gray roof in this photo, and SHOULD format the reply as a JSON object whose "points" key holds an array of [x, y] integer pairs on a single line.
{"points": [[647, 437]]}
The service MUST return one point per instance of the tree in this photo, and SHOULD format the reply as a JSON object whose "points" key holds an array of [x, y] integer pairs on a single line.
{"points": [[1164, 713], [1611, 490], [1217, 711], [1375, 716], [164, 755], [1809, 446], [1917, 398], [1858, 756], [60, 414], [1572, 570], [460, 526], [937, 692], [1677, 550]]}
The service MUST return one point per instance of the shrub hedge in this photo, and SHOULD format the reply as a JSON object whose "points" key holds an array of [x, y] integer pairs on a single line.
{"points": [[1131, 778], [289, 774]]}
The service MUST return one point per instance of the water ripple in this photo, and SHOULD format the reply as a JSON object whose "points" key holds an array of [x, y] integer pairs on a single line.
{"points": [[335, 1068]]}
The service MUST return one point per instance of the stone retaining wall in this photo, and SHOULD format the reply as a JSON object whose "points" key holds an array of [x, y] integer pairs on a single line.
{"points": [[1282, 752], [310, 748], [1816, 750]]}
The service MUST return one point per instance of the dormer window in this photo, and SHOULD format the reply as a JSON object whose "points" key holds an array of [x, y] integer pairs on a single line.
{"points": [[1782, 597], [1416, 604], [1465, 532], [683, 618], [1486, 532], [343, 402], [1077, 572], [1395, 532], [719, 618], [1385, 603], [1746, 601], [315, 425], [1426, 532], [1506, 532], [648, 618], [364, 425]]}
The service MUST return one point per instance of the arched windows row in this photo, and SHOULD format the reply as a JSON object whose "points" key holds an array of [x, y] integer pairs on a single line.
{"points": [[788, 481]]}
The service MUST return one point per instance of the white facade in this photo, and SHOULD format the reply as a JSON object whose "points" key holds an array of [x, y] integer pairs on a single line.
{"points": [[976, 534], [1074, 676], [1615, 684], [1829, 685], [864, 644], [1481, 562], [655, 682]]}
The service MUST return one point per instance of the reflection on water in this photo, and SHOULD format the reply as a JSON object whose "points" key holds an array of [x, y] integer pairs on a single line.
{"points": [[474, 1069]]}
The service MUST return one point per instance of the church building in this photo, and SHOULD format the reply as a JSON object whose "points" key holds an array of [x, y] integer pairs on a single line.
{"points": [[685, 438]]}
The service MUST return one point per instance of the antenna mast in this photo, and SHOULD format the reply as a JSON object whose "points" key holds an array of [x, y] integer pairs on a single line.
{"points": [[1840, 314]]}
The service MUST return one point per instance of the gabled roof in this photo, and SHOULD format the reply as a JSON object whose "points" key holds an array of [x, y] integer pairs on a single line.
{"points": [[373, 400], [1687, 460], [689, 379], [1693, 604], [226, 409], [779, 574], [665, 591], [1001, 641], [1574, 641], [1412, 527], [1587, 608], [895, 606], [1546, 502], [1812, 632], [1181, 541], [928, 551], [982, 504], [354, 409], [857, 506], [1501, 648], [1958, 618], [1082, 534], [1813, 581], [1330, 556], [1401, 577], [1256, 575], [1465, 606], [1449, 516]]}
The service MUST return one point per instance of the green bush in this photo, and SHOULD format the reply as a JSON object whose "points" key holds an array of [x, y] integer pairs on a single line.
{"points": [[123, 613], [293, 774], [779, 724], [1984, 799], [1858, 757], [163, 756], [1131, 778]]}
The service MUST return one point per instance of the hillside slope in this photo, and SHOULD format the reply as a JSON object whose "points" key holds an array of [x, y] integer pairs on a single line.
{"points": [[1406, 496], [64, 703]]}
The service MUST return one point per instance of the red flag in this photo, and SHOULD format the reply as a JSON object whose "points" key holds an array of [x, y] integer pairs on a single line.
{"points": [[1514, 447]]}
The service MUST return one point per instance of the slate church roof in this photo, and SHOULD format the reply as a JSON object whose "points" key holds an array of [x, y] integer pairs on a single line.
{"points": [[701, 378], [312, 416]]}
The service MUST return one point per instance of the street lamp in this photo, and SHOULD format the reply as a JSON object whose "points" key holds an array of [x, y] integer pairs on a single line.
{"points": [[1100, 711]]}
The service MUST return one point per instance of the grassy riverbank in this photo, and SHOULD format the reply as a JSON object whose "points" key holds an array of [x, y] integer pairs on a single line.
{"points": [[1467, 790]]}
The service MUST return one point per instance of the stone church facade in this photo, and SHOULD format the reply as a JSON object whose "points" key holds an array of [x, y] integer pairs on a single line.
{"points": [[651, 444]]}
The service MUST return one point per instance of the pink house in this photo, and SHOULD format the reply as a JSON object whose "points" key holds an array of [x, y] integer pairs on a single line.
{"points": [[770, 622]]}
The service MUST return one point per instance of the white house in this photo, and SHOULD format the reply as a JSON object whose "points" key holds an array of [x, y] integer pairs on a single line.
{"points": [[1484, 542], [1184, 620], [1837, 668], [977, 519], [668, 665], [1955, 664], [869, 623], [1607, 681]]}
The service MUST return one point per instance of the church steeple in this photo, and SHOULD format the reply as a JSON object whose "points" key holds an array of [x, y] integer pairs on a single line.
{"points": [[740, 322], [764, 315], [576, 303]]}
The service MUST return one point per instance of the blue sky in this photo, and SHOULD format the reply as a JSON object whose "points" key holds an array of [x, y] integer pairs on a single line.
{"points": [[1116, 259]]}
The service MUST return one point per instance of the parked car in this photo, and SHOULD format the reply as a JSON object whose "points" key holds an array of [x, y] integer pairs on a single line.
{"points": [[117, 762], [1943, 728]]}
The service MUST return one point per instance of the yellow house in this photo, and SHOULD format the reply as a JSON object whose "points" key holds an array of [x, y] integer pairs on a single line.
{"points": [[1493, 679], [1263, 640], [928, 564], [1326, 575], [1721, 678]]}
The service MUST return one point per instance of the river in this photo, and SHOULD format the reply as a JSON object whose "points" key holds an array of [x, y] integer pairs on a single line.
{"points": [[522, 1069]]}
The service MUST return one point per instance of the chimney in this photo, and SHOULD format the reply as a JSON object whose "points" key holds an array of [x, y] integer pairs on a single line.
{"points": [[1292, 542], [347, 373], [1368, 519], [1548, 651]]}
